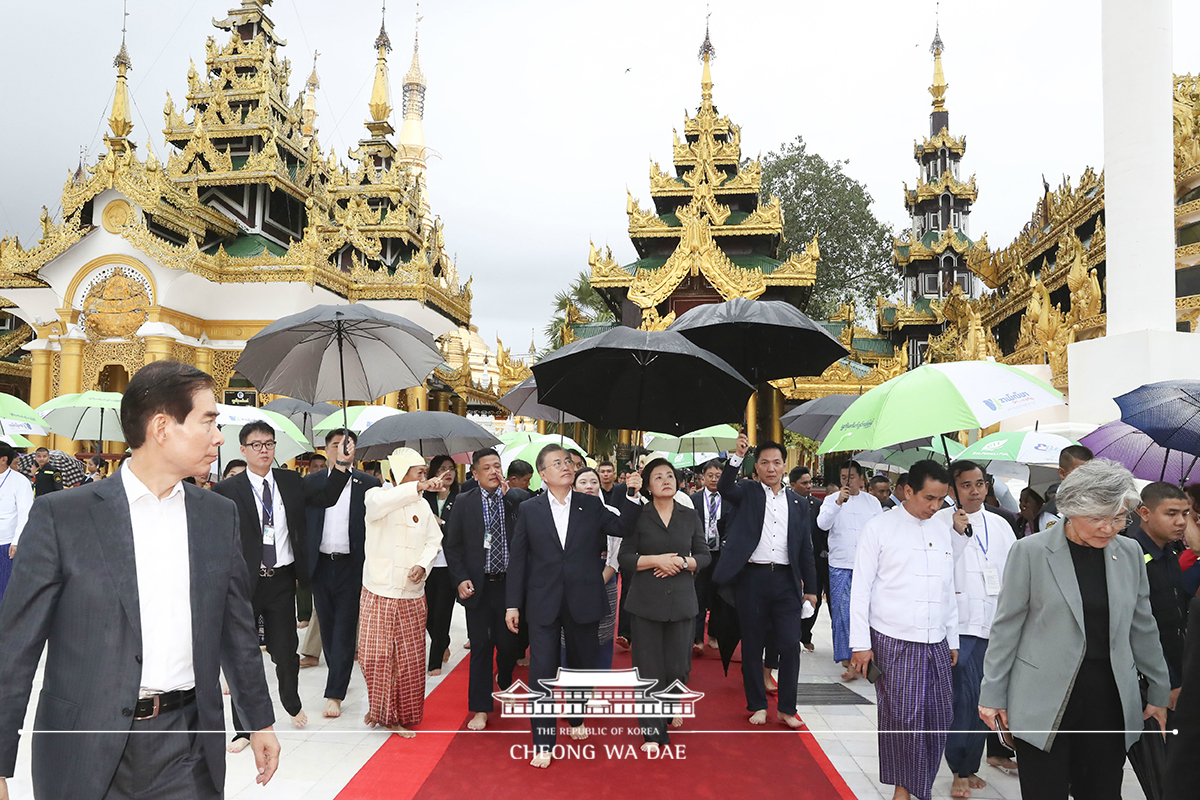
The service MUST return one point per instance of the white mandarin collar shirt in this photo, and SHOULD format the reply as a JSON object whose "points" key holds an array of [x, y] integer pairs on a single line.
{"points": [[335, 534], [845, 524], [283, 547], [986, 549], [562, 515], [903, 581], [772, 544], [163, 565], [16, 496]]}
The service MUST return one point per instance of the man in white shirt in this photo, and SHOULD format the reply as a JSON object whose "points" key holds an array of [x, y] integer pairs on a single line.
{"points": [[979, 561], [904, 620], [844, 515], [16, 496], [136, 589]]}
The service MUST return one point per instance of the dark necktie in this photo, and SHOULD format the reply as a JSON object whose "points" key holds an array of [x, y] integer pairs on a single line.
{"points": [[711, 533], [498, 552], [268, 520]]}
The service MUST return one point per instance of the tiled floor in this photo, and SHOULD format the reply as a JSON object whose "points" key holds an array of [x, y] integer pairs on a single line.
{"points": [[318, 761]]}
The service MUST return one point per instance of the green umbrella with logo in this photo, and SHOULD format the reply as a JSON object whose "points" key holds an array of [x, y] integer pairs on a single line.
{"points": [[17, 417]]}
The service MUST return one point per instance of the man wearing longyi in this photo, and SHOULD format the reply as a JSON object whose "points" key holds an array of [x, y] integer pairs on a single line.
{"points": [[138, 586]]}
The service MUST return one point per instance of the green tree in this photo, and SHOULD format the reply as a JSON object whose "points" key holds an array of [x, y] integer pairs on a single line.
{"points": [[586, 299], [818, 197]]}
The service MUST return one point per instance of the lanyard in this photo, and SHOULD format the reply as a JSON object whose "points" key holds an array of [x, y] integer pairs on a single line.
{"points": [[268, 510], [985, 540], [7, 472]]}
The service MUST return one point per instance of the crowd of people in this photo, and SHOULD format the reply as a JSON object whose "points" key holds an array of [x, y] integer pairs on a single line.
{"points": [[1050, 634]]}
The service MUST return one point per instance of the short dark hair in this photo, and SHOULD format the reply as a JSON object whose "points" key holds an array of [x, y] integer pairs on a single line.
{"points": [[372, 466], [257, 426], [585, 471], [519, 468], [1193, 493], [1074, 453], [769, 445], [234, 463], [547, 450], [652, 465], [314, 456], [901, 481], [923, 471], [851, 464], [7, 451], [713, 464], [876, 479], [960, 468], [47, 449], [1155, 493], [477, 456], [329, 437], [576, 454], [160, 387], [97, 461], [606, 463], [1037, 498], [797, 473]]}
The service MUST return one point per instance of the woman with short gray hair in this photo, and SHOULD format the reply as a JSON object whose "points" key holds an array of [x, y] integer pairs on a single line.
{"points": [[1062, 665]]}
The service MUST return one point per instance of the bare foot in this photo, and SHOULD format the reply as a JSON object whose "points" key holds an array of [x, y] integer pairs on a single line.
{"points": [[333, 707], [901, 794], [850, 675], [446, 655], [759, 717], [713, 643], [302, 624], [769, 680], [677, 722], [237, 745], [791, 720], [370, 722], [960, 787], [434, 672], [579, 732], [697, 649], [523, 662], [467, 646], [401, 731], [300, 720], [1005, 765], [976, 782], [810, 647], [477, 722], [650, 748], [622, 642], [309, 661], [541, 760]]}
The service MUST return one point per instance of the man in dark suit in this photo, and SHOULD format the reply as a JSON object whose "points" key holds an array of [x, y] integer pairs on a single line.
{"points": [[801, 481], [271, 512], [335, 542], [477, 542], [769, 560], [555, 578], [137, 589], [715, 520]]}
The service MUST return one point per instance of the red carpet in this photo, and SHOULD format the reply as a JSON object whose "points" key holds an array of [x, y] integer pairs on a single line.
{"points": [[720, 750]]}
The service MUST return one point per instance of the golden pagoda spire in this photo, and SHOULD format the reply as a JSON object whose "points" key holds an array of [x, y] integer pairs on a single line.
{"points": [[120, 122], [308, 112], [381, 95], [939, 87], [707, 54], [412, 136]]}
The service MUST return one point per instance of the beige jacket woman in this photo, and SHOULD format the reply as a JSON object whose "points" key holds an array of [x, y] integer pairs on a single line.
{"points": [[402, 533]]}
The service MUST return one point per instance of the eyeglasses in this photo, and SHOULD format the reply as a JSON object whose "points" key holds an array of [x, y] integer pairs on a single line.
{"points": [[1120, 522], [259, 447], [559, 463]]}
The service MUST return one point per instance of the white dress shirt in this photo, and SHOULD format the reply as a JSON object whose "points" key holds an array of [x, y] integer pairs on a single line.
{"points": [[772, 544], [283, 547], [986, 549], [16, 496], [845, 524], [614, 543], [162, 563], [440, 560], [903, 581], [562, 515], [335, 534]]}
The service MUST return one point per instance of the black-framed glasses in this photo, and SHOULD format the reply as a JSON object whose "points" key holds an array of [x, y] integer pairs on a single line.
{"points": [[259, 447]]}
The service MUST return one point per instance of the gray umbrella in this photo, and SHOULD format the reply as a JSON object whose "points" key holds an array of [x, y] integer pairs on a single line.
{"points": [[522, 400], [430, 433], [817, 417], [349, 352], [305, 415]]}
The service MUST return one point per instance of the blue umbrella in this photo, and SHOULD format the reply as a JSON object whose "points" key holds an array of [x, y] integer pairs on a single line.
{"points": [[1168, 412]]}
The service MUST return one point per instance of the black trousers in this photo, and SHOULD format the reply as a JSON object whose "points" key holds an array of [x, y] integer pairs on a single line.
{"points": [[662, 651], [275, 601], [439, 600], [490, 638], [545, 643], [624, 624], [806, 625], [163, 759], [337, 591], [1089, 765], [769, 603], [706, 594], [304, 607]]}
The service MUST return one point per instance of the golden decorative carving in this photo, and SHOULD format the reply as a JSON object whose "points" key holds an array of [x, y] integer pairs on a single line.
{"points": [[946, 183], [115, 215], [115, 307], [942, 139], [950, 239], [651, 321], [130, 355], [1083, 283]]}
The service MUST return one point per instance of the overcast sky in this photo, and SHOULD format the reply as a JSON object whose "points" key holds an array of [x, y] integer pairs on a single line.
{"points": [[542, 112]]}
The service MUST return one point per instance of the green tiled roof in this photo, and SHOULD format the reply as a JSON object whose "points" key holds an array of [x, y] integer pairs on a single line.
{"points": [[586, 330], [249, 244], [735, 218], [834, 328], [859, 370], [880, 346], [889, 313]]}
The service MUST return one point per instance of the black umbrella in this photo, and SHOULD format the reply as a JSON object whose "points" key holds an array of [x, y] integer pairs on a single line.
{"points": [[764, 340], [724, 625], [305, 415], [642, 380], [69, 467], [430, 433], [522, 400], [817, 417], [348, 352]]}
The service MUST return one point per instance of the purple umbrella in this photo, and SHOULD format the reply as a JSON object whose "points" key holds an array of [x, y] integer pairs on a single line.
{"points": [[1138, 453]]}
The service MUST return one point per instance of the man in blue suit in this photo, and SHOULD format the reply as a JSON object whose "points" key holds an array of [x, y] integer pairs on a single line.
{"points": [[768, 558], [555, 577]]}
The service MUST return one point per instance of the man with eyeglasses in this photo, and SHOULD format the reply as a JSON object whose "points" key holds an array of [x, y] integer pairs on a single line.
{"points": [[271, 514]]}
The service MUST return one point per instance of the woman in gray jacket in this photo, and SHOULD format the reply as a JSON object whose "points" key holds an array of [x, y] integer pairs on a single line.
{"points": [[1072, 631]]}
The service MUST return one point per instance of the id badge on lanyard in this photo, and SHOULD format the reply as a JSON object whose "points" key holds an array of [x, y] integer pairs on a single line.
{"points": [[269, 535]]}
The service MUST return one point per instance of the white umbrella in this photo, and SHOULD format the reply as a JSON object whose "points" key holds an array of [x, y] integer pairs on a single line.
{"points": [[85, 416]]}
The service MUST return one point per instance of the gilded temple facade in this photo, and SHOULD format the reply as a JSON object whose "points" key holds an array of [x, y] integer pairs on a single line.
{"points": [[245, 219]]}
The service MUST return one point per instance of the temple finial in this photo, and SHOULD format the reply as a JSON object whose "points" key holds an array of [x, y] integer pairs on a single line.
{"points": [[381, 95], [939, 87], [382, 40], [707, 54], [121, 121]]}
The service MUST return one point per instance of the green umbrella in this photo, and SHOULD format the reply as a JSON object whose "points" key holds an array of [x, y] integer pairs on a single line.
{"points": [[905, 455], [706, 440], [938, 398], [15, 439], [528, 452], [360, 418], [85, 416], [17, 417], [1026, 447]]}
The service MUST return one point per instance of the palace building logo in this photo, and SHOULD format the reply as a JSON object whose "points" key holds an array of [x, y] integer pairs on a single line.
{"points": [[597, 693]]}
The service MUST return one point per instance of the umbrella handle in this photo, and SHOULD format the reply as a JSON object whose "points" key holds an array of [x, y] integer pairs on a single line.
{"points": [[342, 376], [954, 485]]}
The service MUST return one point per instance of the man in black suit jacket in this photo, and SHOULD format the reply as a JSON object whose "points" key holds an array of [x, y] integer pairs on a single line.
{"points": [[477, 544], [769, 560], [137, 589], [336, 539], [555, 578], [801, 481], [715, 519], [271, 505]]}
